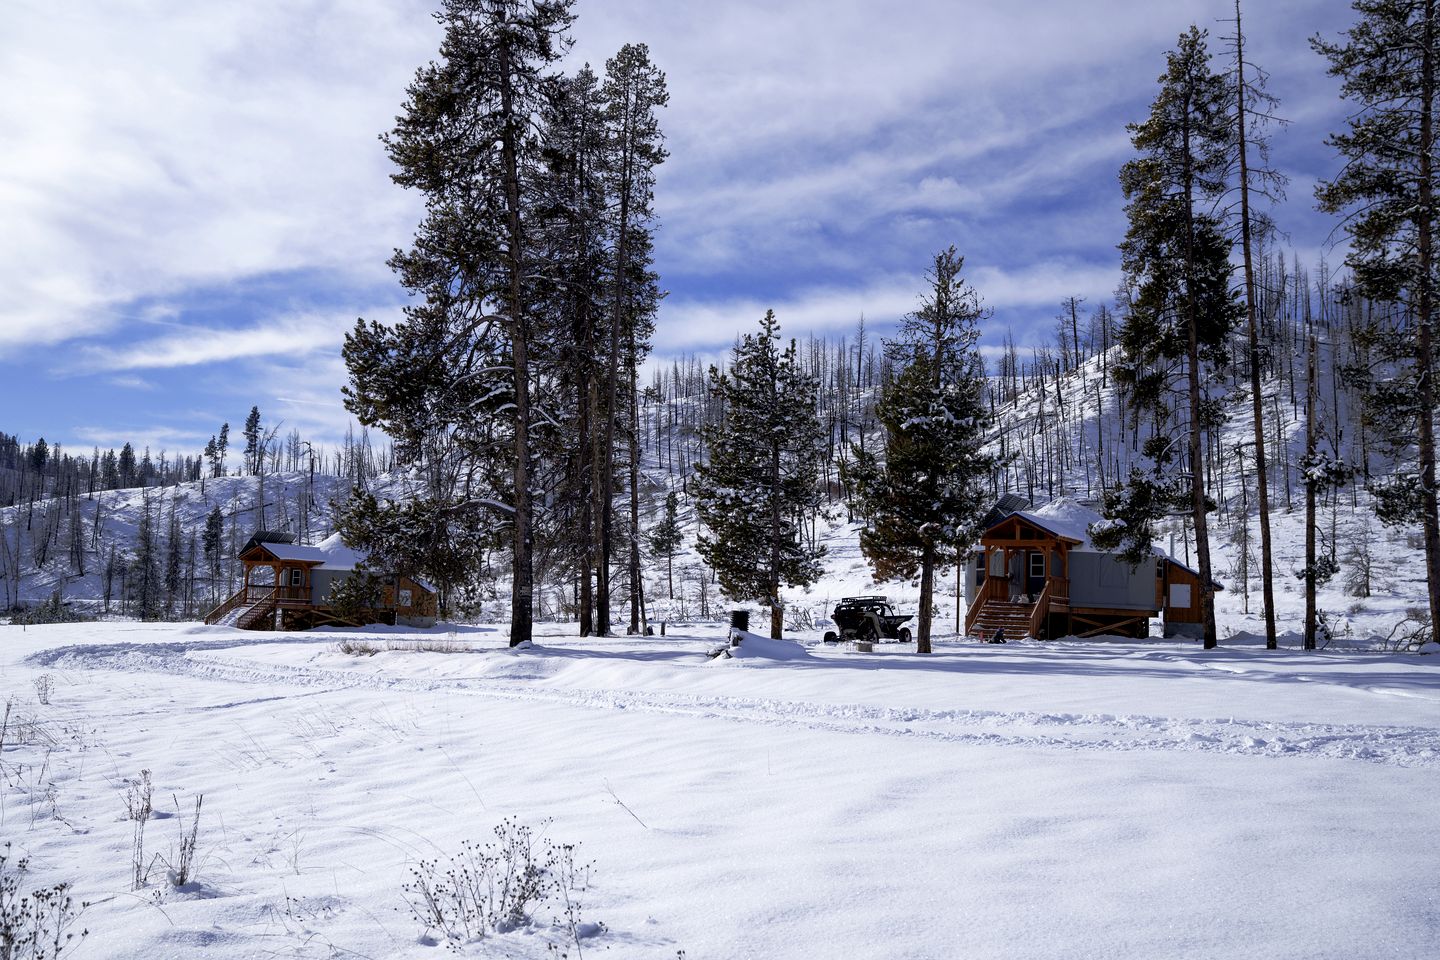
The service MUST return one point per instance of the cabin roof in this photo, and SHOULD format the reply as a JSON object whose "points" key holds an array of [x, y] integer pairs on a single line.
{"points": [[339, 556], [289, 551], [332, 553], [1070, 519]]}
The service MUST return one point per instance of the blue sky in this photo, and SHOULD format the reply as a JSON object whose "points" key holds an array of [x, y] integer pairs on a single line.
{"points": [[196, 205]]}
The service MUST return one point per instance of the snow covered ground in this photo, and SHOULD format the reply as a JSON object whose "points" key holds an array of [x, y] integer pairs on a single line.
{"points": [[1063, 800]]}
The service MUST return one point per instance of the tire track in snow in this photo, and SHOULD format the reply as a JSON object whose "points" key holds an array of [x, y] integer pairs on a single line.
{"points": [[1391, 746]]}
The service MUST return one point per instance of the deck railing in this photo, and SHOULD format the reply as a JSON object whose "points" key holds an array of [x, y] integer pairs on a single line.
{"points": [[1042, 607], [236, 598], [263, 608]]}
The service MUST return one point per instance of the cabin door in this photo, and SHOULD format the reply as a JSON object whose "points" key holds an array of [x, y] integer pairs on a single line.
{"points": [[1034, 573]]}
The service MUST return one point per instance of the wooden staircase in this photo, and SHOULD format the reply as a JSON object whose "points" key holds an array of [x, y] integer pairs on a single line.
{"points": [[1013, 617], [252, 609]]}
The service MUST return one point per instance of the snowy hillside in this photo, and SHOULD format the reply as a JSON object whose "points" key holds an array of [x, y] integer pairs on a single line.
{"points": [[106, 523]]}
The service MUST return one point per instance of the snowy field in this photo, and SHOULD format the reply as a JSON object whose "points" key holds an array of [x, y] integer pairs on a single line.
{"points": [[1135, 799]]}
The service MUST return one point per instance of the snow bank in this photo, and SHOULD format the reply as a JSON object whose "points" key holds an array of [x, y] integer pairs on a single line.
{"points": [[755, 647]]}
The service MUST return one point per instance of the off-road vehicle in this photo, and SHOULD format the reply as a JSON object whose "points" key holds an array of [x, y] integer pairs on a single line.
{"points": [[867, 618]]}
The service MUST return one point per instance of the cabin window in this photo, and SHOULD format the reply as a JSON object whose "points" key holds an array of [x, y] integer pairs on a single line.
{"points": [[406, 599], [296, 577], [980, 566], [1037, 565], [1180, 595]]}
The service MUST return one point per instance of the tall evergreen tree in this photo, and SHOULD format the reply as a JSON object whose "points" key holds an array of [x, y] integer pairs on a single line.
{"points": [[221, 447], [926, 501], [211, 541], [454, 382], [145, 579], [126, 470], [633, 92], [252, 442], [1253, 106], [665, 538], [573, 196], [763, 474], [1388, 64], [1182, 309]]}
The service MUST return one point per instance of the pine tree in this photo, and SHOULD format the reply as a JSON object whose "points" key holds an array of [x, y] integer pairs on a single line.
{"points": [[1253, 106], [574, 203], [211, 543], [1388, 65], [144, 580], [633, 92], [126, 471], [221, 446], [763, 473], [925, 502], [174, 557], [1182, 309], [252, 442], [666, 537], [453, 383]]}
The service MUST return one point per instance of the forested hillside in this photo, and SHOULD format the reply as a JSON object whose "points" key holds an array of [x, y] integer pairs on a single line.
{"points": [[1064, 426]]}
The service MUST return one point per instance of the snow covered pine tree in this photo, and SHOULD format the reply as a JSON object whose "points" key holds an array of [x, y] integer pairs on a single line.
{"points": [[764, 473], [928, 497]]}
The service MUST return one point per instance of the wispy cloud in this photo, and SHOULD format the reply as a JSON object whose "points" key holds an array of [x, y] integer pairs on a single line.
{"points": [[821, 152], [707, 324], [297, 336]]}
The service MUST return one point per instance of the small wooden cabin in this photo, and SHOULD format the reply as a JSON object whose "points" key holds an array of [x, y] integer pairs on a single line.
{"points": [[1036, 573], [287, 587]]}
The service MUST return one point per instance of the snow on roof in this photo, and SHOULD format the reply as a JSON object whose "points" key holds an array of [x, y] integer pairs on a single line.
{"points": [[1066, 517], [338, 556], [291, 551]]}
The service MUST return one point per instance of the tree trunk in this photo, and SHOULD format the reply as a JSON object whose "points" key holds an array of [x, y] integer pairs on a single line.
{"points": [[1310, 613], [1262, 482], [1197, 449], [522, 587], [927, 600], [637, 588], [584, 392], [1423, 345]]}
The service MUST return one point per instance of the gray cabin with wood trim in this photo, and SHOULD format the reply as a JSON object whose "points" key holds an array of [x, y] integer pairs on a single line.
{"points": [[1037, 573], [288, 586]]}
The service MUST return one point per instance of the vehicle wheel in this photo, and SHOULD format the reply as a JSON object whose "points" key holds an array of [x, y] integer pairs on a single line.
{"points": [[905, 635], [831, 637]]}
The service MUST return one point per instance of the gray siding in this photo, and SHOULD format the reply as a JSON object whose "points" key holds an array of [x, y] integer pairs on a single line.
{"points": [[321, 581], [1102, 580]]}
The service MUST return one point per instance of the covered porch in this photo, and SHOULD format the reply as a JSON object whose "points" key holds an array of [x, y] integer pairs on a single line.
{"points": [[1023, 574]]}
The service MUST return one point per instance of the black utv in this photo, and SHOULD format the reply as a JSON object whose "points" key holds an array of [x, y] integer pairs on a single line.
{"points": [[867, 618]]}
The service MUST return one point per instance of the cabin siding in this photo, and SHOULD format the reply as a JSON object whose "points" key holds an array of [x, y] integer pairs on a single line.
{"points": [[1182, 619], [322, 581], [1103, 580]]}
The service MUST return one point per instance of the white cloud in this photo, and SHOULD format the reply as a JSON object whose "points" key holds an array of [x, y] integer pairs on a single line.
{"points": [[160, 145], [156, 146], [293, 335], [706, 324]]}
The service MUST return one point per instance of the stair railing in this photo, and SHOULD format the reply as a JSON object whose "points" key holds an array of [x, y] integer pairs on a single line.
{"points": [[1042, 607], [236, 598]]}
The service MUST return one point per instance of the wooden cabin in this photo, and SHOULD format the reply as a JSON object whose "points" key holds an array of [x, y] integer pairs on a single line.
{"points": [[1036, 573], [287, 587]]}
